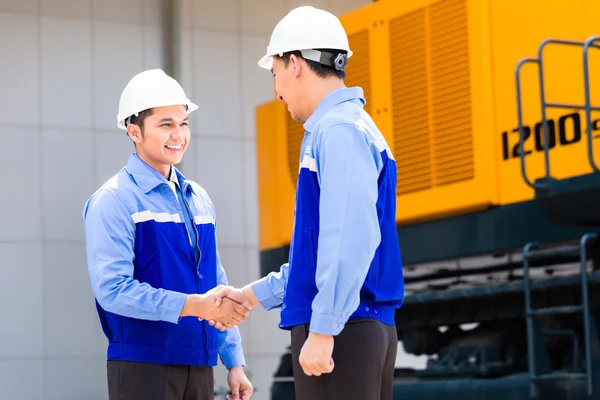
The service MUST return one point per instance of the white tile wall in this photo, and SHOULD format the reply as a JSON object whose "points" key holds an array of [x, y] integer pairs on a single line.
{"points": [[20, 78], [217, 70], [186, 12], [235, 263], [22, 194], [112, 150], [219, 171], [66, 72], [261, 369], [186, 69], [68, 180], [266, 322], [126, 12], [261, 16], [81, 9], [118, 56], [76, 378], [26, 6], [58, 106], [153, 13], [252, 256], [22, 379], [257, 83], [71, 326], [23, 336], [250, 198], [217, 16], [153, 42], [324, 4]]}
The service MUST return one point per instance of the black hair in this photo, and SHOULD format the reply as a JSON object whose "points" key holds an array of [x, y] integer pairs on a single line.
{"points": [[139, 119]]}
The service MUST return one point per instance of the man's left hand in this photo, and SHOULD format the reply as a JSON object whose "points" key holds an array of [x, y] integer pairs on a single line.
{"points": [[315, 356], [240, 386]]}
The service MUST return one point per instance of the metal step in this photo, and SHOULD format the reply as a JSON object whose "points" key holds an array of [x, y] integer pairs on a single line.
{"points": [[556, 251], [556, 310], [560, 376]]}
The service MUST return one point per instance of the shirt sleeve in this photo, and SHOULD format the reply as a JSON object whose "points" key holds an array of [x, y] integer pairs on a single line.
{"points": [[269, 290], [230, 340], [349, 233], [110, 238]]}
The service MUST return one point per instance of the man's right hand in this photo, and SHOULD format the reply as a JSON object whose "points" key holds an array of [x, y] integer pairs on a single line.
{"points": [[244, 296], [227, 313]]}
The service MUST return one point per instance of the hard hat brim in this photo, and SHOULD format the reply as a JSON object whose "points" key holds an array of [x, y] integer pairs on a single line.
{"points": [[191, 107], [266, 62]]}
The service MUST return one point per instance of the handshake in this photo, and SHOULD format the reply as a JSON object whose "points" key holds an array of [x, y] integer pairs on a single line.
{"points": [[223, 307]]}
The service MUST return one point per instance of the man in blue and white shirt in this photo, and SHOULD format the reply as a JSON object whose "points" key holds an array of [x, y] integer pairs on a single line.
{"points": [[344, 279], [153, 260]]}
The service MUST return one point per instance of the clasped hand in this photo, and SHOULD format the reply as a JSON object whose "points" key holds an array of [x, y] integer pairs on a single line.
{"points": [[224, 295], [221, 306]]}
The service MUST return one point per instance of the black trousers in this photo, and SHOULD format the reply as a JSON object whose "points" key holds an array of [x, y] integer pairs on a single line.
{"points": [[129, 380], [364, 356]]}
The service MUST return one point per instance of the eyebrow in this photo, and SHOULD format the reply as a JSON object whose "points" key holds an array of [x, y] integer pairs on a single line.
{"points": [[169, 119]]}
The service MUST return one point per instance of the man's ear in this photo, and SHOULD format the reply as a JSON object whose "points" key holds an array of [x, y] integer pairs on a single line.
{"points": [[134, 132], [297, 65]]}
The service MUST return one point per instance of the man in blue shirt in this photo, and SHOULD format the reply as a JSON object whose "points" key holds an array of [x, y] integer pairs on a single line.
{"points": [[153, 260], [339, 292]]}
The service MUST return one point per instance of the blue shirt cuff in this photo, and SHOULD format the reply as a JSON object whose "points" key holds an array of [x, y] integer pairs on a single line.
{"points": [[326, 324], [233, 356], [171, 312], [264, 294]]}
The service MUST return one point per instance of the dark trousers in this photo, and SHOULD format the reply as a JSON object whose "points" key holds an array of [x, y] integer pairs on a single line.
{"points": [[129, 380], [364, 356]]}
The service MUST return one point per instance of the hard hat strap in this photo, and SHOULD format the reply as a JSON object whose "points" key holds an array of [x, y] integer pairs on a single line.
{"points": [[337, 60]]}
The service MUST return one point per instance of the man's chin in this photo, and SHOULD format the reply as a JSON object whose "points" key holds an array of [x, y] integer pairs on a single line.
{"points": [[174, 160]]}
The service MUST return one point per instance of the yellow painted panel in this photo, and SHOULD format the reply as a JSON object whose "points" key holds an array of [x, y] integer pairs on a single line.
{"points": [[440, 97], [439, 78], [275, 189], [269, 194], [518, 29]]}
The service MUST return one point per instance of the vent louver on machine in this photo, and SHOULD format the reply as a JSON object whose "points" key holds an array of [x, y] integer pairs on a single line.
{"points": [[433, 141], [358, 73], [410, 102]]}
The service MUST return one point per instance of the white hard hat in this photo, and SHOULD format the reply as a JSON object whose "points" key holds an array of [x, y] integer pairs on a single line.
{"points": [[149, 89], [305, 29]]}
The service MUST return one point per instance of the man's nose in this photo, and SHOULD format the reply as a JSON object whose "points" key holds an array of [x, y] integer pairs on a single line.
{"points": [[177, 132]]}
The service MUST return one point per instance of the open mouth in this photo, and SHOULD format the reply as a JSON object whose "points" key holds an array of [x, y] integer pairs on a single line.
{"points": [[174, 147]]}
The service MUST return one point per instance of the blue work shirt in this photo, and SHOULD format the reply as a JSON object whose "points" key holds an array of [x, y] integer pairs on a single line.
{"points": [[148, 247], [344, 260]]}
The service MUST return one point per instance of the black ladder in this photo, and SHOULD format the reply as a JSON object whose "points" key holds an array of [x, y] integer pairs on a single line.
{"points": [[536, 350], [593, 41]]}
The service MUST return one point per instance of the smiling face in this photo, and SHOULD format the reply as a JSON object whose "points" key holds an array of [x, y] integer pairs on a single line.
{"points": [[162, 138]]}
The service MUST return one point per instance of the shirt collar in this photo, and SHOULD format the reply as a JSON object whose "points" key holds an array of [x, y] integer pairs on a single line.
{"points": [[173, 176], [146, 177], [331, 100]]}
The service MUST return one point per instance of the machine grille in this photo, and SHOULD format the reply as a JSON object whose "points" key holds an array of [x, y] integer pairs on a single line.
{"points": [[431, 96], [412, 148], [451, 92]]}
